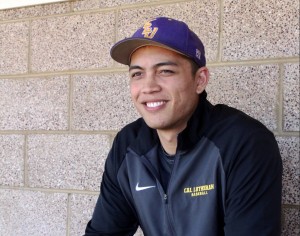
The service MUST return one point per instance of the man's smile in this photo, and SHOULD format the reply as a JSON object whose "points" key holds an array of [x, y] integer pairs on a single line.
{"points": [[155, 104]]}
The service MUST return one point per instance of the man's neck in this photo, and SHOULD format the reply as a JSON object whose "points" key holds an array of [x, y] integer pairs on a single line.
{"points": [[168, 141]]}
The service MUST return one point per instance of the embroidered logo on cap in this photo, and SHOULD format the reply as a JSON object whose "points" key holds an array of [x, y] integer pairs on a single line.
{"points": [[149, 32], [198, 53]]}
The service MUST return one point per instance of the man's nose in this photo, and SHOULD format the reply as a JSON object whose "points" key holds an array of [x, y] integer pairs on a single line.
{"points": [[151, 84]]}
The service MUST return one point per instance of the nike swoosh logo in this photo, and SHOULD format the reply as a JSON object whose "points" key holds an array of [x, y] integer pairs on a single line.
{"points": [[138, 188]]}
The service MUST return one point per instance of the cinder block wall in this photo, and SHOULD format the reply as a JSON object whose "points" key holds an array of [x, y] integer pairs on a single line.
{"points": [[62, 98]]}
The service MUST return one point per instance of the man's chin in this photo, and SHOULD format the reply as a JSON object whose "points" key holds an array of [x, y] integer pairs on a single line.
{"points": [[154, 125]]}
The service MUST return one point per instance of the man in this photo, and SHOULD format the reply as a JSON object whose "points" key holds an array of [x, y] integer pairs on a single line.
{"points": [[186, 168]]}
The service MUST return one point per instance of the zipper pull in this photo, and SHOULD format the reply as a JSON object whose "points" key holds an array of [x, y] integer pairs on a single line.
{"points": [[166, 198]]}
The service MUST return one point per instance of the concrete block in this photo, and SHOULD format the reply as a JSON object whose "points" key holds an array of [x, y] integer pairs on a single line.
{"points": [[96, 4], [32, 213], [35, 11], [67, 161], [260, 29], [291, 97], [14, 43], [291, 225], [252, 89], [102, 102], [12, 160], [34, 103], [81, 210], [289, 149], [84, 5], [201, 16], [74, 42]]}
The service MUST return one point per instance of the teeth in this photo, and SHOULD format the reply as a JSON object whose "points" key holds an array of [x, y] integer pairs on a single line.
{"points": [[154, 104]]}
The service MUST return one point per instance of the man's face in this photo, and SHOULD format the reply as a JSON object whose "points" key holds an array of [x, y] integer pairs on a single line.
{"points": [[163, 89]]}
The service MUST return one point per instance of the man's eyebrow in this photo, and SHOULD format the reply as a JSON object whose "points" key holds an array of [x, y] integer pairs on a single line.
{"points": [[167, 63], [134, 67]]}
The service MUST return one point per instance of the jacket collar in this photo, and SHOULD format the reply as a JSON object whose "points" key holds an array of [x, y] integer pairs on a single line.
{"points": [[196, 125]]}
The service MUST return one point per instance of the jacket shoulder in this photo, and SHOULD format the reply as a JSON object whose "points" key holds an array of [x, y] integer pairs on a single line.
{"points": [[236, 120], [126, 136]]}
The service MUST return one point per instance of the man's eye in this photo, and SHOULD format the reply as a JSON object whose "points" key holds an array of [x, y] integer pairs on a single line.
{"points": [[136, 75], [166, 72]]}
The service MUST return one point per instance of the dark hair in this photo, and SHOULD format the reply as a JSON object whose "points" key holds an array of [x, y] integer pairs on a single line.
{"points": [[194, 66]]}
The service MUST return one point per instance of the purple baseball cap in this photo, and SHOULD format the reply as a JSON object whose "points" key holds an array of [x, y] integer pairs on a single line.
{"points": [[163, 32]]}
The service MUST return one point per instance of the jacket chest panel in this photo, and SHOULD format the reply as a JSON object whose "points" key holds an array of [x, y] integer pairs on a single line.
{"points": [[196, 183]]}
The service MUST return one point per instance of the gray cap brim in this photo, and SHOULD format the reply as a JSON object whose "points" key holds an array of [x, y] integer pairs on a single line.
{"points": [[122, 51]]}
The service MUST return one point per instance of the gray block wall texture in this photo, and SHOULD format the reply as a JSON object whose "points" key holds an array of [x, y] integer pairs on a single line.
{"points": [[63, 99]]}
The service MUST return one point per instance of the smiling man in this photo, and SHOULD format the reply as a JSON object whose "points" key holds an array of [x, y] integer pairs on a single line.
{"points": [[186, 167], [165, 91]]}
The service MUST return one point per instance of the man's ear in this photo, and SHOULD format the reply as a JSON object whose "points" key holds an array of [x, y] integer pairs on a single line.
{"points": [[202, 78]]}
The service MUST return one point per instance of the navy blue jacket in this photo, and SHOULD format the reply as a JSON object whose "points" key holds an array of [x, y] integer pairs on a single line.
{"points": [[226, 180]]}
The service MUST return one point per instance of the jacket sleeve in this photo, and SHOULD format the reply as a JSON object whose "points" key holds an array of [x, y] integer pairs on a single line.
{"points": [[253, 189], [112, 215]]}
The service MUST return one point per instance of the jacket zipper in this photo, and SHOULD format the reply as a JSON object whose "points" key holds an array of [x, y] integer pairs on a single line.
{"points": [[166, 199], [169, 221], [164, 194]]}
